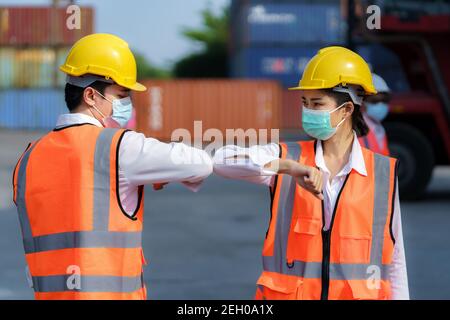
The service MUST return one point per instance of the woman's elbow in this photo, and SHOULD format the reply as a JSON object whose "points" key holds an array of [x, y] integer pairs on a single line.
{"points": [[202, 167]]}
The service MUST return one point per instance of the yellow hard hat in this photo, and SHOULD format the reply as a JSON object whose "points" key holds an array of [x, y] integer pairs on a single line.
{"points": [[103, 55], [333, 66]]}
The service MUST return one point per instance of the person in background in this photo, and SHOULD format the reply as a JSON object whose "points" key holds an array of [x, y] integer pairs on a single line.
{"points": [[375, 109], [342, 243]]}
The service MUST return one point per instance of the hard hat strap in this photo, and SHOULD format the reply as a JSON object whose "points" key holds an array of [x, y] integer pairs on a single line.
{"points": [[352, 90], [86, 80]]}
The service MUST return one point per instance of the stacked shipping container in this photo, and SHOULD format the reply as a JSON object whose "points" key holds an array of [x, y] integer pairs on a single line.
{"points": [[42, 26], [31, 108], [34, 41], [276, 39], [219, 104], [35, 67]]}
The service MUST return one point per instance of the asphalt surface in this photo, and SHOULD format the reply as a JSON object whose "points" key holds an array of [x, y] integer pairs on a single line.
{"points": [[207, 245]]}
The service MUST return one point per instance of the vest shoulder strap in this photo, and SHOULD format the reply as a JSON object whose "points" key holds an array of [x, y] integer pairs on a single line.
{"points": [[16, 167]]}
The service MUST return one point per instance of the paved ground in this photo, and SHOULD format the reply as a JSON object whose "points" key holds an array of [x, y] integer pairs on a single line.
{"points": [[207, 245]]}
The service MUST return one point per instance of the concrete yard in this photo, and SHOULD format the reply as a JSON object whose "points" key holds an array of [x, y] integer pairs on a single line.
{"points": [[207, 245]]}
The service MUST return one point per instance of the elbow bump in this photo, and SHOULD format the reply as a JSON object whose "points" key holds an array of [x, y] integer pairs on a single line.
{"points": [[208, 167]]}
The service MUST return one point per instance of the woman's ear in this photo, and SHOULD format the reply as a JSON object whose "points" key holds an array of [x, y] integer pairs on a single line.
{"points": [[89, 96], [349, 107]]}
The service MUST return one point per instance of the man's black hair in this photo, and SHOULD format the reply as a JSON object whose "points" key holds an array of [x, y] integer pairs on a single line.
{"points": [[74, 94]]}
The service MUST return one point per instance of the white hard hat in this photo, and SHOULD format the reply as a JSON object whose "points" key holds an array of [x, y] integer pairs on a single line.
{"points": [[379, 83]]}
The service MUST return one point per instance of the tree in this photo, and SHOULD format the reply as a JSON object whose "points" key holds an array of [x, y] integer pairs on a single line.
{"points": [[212, 61], [146, 70]]}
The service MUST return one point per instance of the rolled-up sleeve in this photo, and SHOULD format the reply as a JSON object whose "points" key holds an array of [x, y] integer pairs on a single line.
{"points": [[246, 164], [148, 160]]}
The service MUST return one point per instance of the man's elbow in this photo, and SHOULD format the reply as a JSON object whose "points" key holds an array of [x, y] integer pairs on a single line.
{"points": [[207, 167], [201, 167]]}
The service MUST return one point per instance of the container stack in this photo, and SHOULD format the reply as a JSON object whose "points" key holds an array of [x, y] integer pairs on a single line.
{"points": [[276, 39], [34, 41]]}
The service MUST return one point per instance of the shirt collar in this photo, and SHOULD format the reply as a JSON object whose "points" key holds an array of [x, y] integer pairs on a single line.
{"points": [[68, 119], [356, 158]]}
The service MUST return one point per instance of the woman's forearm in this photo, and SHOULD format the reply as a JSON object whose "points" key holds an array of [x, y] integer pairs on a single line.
{"points": [[282, 166], [307, 177]]}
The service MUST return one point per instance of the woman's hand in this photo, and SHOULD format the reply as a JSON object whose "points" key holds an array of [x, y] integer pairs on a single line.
{"points": [[307, 177]]}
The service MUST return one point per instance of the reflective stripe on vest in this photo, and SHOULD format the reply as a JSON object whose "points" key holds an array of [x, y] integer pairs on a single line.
{"points": [[99, 237], [21, 206], [59, 283], [278, 262]]}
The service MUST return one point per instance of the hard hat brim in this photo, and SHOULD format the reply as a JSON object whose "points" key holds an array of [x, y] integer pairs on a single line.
{"points": [[137, 87], [367, 91], [302, 88]]}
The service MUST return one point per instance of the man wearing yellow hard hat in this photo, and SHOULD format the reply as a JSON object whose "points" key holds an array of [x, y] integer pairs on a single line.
{"points": [[79, 190], [335, 229]]}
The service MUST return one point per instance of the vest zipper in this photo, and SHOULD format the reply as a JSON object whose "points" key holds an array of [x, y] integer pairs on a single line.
{"points": [[325, 264], [326, 246]]}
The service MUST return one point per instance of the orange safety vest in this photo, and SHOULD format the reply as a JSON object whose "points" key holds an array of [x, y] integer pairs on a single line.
{"points": [[348, 261], [370, 142], [79, 242]]}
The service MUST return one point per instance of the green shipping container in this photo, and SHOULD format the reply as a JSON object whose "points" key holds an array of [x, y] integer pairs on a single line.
{"points": [[31, 67], [61, 58], [6, 68]]}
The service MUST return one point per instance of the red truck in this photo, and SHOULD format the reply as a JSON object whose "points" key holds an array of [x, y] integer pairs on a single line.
{"points": [[418, 125]]}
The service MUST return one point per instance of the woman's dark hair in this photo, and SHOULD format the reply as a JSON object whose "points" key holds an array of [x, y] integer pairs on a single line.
{"points": [[358, 123], [74, 94]]}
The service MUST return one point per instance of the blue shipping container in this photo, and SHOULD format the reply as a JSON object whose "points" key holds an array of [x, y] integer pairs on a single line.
{"points": [[31, 109], [286, 65], [287, 23]]}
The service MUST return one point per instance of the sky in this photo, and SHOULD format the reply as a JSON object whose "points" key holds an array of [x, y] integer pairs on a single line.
{"points": [[151, 27]]}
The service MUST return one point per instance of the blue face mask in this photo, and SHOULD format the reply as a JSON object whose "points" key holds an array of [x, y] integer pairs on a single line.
{"points": [[122, 112], [377, 111], [317, 123]]}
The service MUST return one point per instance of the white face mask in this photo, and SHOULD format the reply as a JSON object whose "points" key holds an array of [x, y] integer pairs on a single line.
{"points": [[122, 112]]}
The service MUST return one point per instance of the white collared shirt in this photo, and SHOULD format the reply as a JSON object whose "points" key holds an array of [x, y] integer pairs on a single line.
{"points": [[332, 189], [250, 167], [146, 161]]}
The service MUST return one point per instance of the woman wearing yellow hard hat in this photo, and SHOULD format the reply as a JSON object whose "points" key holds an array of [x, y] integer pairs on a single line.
{"points": [[82, 210], [335, 228]]}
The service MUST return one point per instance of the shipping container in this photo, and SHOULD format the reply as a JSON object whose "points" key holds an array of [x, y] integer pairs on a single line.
{"points": [[286, 65], [291, 112], [32, 67], [31, 109], [61, 55], [220, 104], [43, 26], [269, 23], [6, 68]]}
